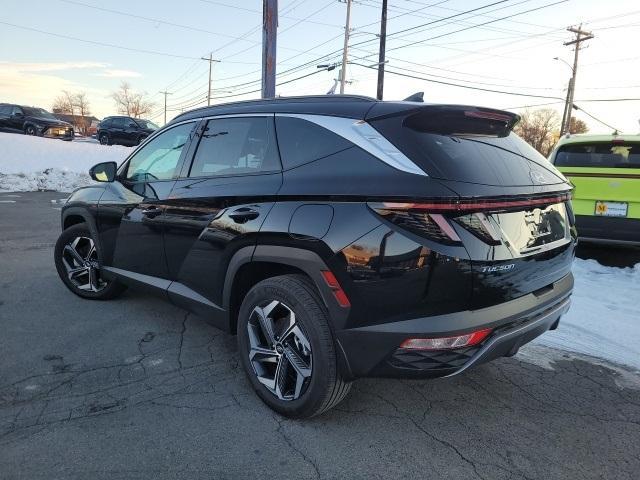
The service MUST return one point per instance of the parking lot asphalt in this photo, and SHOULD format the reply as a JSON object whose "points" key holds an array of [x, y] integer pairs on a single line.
{"points": [[136, 388]]}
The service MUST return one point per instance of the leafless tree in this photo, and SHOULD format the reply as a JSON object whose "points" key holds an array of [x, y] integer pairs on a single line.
{"points": [[577, 126], [540, 129], [63, 103], [131, 103]]}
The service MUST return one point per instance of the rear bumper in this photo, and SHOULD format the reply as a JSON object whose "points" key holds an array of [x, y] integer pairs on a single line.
{"points": [[610, 230], [374, 351]]}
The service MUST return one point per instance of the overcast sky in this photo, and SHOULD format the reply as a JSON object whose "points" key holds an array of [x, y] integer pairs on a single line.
{"points": [[50, 45]]}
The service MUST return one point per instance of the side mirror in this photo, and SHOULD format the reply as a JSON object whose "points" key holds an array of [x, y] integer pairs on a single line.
{"points": [[104, 172], [18, 114], [132, 125]]}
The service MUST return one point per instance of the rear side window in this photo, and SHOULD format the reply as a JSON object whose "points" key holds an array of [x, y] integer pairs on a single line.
{"points": [[5, 109], [302, 142], [117, 123], [601, 154], [105, 123], [231, 146]]}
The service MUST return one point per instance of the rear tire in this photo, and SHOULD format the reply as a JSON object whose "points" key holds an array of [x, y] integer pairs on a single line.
{"points": [[76, 257], [288, 309]]}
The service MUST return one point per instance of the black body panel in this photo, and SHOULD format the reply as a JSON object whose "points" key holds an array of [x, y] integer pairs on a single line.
{"points": [[414, 255]]}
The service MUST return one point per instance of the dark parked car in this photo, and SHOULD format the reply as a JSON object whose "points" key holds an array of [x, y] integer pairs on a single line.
{"points": [[126, 131], [339, 237], [33, 121]]}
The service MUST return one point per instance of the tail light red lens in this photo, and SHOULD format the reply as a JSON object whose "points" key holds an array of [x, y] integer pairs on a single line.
{"points": [[426, 223], [476, 205], [446, 343]]}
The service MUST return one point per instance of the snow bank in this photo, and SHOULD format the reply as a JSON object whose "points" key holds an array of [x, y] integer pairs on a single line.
{"points": [[35, 163], [604, 319]]}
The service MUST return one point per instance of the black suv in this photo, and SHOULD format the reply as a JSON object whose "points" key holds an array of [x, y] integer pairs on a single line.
{"points": [[126, 131], [339, 237], [33, 121]]}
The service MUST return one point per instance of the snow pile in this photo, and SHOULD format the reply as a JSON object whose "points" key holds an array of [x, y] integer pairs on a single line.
{"points": [[604, 319], [35, 163]]}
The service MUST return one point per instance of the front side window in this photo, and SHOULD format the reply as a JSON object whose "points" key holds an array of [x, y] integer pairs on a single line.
{"points": [[17, 111], [159, 159], [231, 146]]}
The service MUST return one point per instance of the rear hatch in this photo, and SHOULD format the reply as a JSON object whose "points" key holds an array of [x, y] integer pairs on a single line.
{"points": [[512, 211], [606, 176]]}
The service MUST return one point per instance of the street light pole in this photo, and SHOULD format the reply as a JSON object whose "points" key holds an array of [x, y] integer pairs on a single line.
{"points": [[165, 93], [381, 54], [345, 48], [581, 36], [211, 61]]}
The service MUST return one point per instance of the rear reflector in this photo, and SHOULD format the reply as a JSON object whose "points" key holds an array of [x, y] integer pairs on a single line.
{"points": [[335, 287], [446, 343]]}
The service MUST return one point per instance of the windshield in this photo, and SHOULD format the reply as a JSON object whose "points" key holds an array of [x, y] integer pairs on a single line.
{"points": [[602, 154], [38, 112], [147, 124]]}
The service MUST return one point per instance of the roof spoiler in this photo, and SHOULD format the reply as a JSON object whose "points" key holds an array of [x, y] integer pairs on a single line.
{"points": [[451, 119]]}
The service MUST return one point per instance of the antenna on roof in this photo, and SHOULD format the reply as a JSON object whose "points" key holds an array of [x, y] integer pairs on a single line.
{"points": [[416, 97]]}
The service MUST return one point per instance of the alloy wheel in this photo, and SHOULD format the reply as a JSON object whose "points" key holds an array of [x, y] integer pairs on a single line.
{"points": [[31, 131], [279, 350], [80, 260]]}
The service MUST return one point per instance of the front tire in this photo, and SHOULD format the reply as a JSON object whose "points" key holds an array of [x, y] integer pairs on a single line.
{"points": [[30, 130], [287, 349], [76, 258]]}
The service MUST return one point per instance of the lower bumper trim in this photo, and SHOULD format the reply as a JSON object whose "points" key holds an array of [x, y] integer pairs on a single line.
{"points": [[508, 342]]}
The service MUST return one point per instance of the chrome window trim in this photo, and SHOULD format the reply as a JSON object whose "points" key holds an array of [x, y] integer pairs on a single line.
{"points": [[363, 135]]}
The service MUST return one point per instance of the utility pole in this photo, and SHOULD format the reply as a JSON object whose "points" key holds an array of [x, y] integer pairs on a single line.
{"points": [[581, 36], [165, 93], [269, 39], [383, 46], [211, 61], [343, 71]]}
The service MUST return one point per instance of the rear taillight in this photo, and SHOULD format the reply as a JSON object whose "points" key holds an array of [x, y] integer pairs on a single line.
{"points": [[479, 204], [427, 224], [446, 343]]}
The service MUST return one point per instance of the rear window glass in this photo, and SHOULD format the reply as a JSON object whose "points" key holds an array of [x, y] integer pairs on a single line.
{"points": [[602, 154], [474, 158]]}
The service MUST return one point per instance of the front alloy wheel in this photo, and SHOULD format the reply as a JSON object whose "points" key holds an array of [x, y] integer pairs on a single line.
{"points": [[80, 260], [78, 265], [280, 352]]}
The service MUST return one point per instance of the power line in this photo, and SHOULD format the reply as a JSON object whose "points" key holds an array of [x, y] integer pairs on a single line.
{"points": [[103, 44], [596, 119], [462, 86]]}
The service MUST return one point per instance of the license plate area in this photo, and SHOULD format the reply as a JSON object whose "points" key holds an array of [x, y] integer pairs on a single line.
{"points": [[611, 209], [531, 231]]}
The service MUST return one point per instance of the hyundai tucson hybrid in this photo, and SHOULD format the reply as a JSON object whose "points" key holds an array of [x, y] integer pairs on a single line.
{"points": [[33, 121], [605, 170], [127, 131], [338, 237]]}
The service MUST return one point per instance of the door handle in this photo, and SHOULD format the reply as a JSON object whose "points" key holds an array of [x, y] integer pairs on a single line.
{"points": [[243, 215], [151, 212]]}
